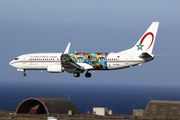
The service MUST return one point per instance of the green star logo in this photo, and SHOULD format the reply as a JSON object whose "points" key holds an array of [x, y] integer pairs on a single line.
{"points": [[139, 47]]}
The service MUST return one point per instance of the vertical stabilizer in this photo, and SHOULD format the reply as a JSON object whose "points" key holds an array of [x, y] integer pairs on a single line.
{"points": [[146, 42]]}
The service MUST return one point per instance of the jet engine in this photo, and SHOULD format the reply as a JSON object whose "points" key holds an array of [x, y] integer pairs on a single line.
{"points": [[55, 68]]}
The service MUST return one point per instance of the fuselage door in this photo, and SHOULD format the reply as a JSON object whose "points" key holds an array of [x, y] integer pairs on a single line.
{"points": [[126, 60], [24, 61]]}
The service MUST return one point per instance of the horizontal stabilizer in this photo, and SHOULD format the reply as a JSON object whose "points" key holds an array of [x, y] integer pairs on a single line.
{"points": [[146, 56]]}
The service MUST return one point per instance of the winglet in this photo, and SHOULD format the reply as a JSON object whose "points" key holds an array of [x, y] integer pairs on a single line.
{"points": [[67, 48]]}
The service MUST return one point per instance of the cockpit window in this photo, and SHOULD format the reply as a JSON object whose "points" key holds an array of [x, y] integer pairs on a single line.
{"points": [[16, 58]]}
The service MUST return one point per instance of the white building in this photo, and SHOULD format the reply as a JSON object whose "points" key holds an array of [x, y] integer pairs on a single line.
{"points": [[100, 111], [51, 118]]}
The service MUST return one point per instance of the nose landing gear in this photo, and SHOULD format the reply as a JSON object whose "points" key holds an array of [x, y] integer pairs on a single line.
{"points": [[24, 74]]}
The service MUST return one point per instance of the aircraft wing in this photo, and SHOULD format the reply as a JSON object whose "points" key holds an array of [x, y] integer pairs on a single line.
{"points": [[71, 67]]}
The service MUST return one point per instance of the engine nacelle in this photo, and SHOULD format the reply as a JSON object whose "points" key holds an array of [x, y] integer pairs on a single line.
{"points": [[55, 69]]}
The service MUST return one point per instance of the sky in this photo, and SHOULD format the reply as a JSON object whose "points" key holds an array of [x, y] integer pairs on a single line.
{"points": [[33, 26]]}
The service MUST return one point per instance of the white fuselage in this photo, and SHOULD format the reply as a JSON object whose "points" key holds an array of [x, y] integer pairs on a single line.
{"points": [[78, 63], [124, 60], [40, 61], [36, 61]]}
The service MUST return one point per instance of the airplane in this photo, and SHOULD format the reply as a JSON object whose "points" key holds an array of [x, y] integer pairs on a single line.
{"points": [[77, 63]]}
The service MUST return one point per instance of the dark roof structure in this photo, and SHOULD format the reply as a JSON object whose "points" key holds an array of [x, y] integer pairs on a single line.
{"points": [[162, 109], [46, 106]]}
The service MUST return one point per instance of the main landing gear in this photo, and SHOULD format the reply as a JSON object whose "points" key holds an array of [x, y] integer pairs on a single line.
{"points": [[87, 74], [76, 74]]}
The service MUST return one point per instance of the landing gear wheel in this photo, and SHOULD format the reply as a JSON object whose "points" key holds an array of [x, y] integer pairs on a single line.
{"points": [[88, 75], [76, 74], [24, 74]]}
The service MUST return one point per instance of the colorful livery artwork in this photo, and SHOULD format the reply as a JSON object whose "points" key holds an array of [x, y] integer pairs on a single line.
{"points": [[97, 60]]}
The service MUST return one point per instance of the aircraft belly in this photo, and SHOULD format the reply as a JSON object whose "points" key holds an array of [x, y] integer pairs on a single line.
{"points": [[114, 65], [22, 66], [39, 66], [121, 65], [42, 67]]}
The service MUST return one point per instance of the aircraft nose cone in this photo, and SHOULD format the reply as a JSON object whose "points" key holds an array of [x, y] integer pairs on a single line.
{"points": [[11, 63]]}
